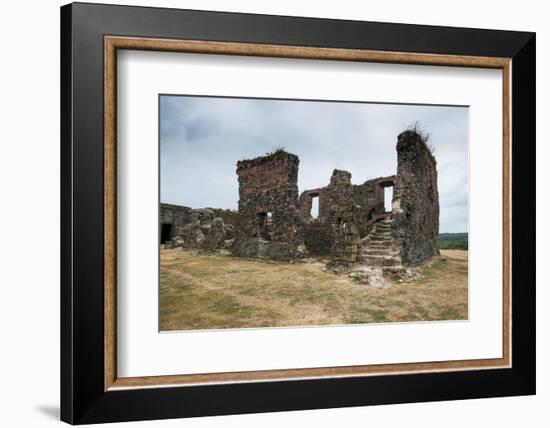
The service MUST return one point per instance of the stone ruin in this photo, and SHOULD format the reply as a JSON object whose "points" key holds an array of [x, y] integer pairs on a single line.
{"points": [[206, 229], [270, 224], [353, 228]]}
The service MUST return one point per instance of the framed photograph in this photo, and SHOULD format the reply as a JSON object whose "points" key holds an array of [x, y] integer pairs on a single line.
{"points": [[266, 213]]}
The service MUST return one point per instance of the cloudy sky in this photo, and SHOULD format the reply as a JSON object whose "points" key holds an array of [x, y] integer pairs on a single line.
{"points": [[202, 138]]}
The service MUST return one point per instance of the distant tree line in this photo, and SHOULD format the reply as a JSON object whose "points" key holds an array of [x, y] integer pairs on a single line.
{"points": [[453, 241]]}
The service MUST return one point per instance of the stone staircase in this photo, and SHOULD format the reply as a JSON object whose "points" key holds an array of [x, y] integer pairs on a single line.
{"points": [[378, 248]]}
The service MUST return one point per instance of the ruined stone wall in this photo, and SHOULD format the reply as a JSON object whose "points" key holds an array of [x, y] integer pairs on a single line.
{"points": [[318, 233], [415, 225], [369, 197], [341, 210], [227, 216], [305, 201], [324, 205], [176, 215], [368, 202], [179, 215], [270, 224], [318, 237], [191, 226]]}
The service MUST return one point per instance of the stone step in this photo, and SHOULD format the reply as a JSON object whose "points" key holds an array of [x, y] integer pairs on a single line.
{"points": [[375, 253], [379, 239], [378, 245], [380, 235], [379, 251], [386, 243], [384, 254], [378, 248], [379, 255], [385, 250], [381, 261], [381, 228]]}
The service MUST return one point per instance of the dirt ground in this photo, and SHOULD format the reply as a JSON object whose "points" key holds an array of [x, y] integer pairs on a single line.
{"points": [[199, 291]]}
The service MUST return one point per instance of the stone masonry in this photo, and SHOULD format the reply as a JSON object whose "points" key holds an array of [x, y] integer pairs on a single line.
{"points": [[341, 213], [415, 213], [269, 222], [352, 226], [405, 236], [186, 227]]}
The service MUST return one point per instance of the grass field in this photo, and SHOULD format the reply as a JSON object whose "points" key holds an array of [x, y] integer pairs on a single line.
{"points": [[200, 291]]}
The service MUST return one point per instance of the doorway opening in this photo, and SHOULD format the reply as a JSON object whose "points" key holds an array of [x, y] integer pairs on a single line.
{"points": [[165, 233], [388, 197], [264, 225], [314, 206]]}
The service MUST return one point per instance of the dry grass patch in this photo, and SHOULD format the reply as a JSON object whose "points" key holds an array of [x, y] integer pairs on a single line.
{"points": [[200, 291]]}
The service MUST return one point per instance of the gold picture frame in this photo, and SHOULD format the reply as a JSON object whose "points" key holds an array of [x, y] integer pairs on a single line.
{"points": [[114, 43]]}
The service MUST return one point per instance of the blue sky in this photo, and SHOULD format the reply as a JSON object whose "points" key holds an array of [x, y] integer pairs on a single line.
{"points": [[202, 138]]}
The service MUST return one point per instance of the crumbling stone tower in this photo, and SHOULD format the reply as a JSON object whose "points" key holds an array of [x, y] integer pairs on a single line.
{"points": [[269, 222], [340, 214], [415, 214]]}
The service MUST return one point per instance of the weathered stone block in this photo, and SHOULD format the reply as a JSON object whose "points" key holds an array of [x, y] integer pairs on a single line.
{"points": [[214, 238]]}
